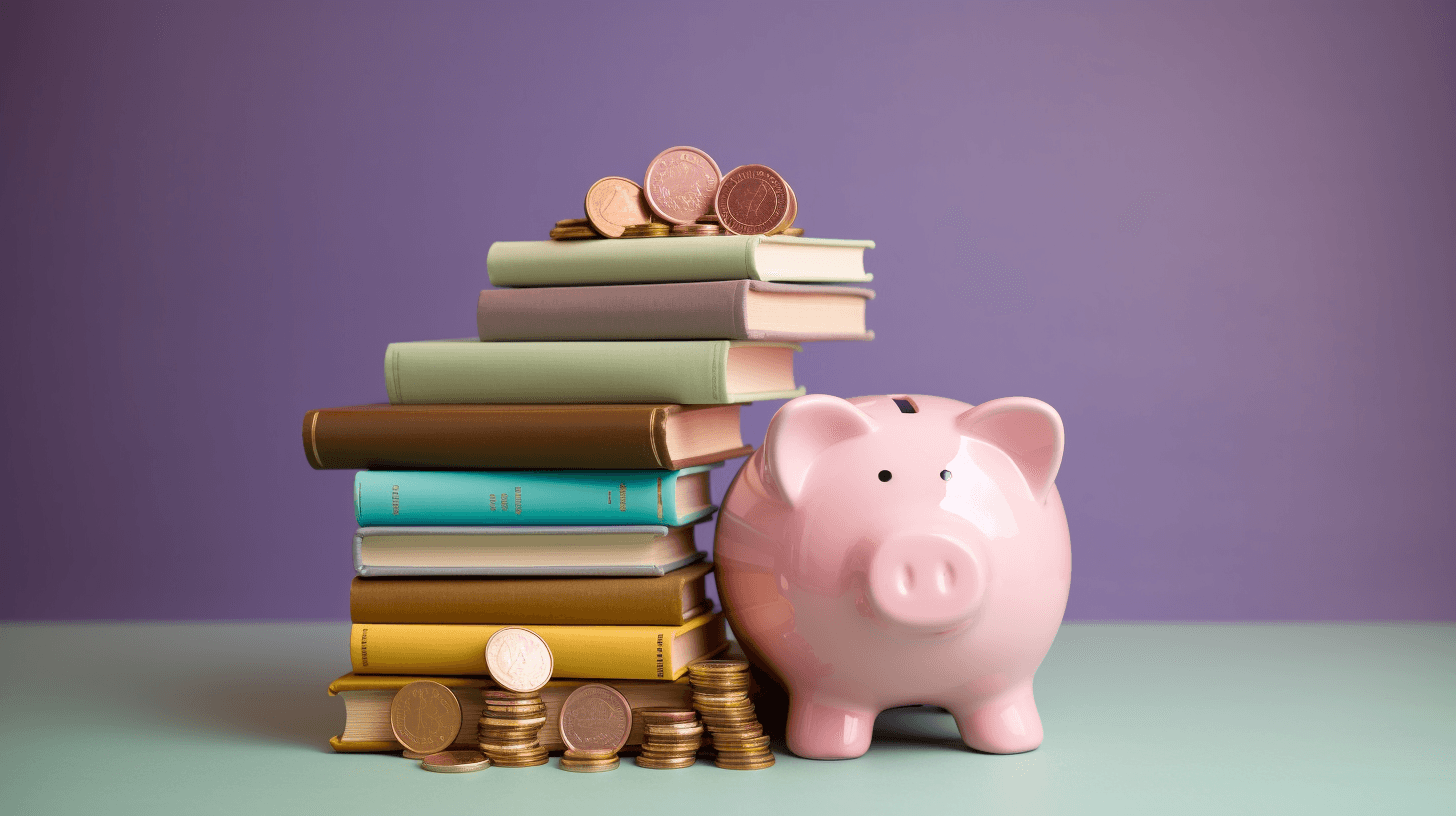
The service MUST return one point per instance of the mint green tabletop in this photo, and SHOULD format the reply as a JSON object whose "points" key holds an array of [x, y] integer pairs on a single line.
{"points": [[1176, 719]]}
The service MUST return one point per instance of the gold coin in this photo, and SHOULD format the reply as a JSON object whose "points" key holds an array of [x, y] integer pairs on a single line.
{"points": [[573, 222], [425, 716], [455, 762], [793, 232]]}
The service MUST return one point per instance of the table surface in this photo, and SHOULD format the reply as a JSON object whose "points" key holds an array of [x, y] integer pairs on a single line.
{"points": [[220, 718]]}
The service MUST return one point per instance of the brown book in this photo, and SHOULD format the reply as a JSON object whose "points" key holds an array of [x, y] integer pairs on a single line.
{"points": [[489, 437], [669, 600], [712, 310]]}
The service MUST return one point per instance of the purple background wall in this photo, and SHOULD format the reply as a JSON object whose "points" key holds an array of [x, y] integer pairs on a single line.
{"points": [[1217, 237]]}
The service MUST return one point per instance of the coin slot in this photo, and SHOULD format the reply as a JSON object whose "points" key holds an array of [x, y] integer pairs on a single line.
{"points": [[905, 405]]}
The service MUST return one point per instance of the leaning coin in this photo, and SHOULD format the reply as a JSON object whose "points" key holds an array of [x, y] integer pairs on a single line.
{"points": [[793, 232], [680, 184], [615, 203], [518, 659], [752, 200], [595, 717], [791, 214], [455, 762], [425, 716]]}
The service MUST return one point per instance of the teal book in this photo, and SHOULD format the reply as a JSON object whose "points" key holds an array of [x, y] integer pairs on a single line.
{"points": [[386, 498]]}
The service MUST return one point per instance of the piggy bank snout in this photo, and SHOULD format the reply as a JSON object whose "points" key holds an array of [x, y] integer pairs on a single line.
{"points": [[925, 581]]}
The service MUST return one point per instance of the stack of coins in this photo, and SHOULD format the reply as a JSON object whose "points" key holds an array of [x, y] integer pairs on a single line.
{"points": [[594, 761], [651, 230], [670, 738], [698, 228], [510, 727], [573, 229], [720, 695]]}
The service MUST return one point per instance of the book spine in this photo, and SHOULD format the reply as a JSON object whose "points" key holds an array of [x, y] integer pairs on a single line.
{"points": [[684, 372], [572, 602], [462, 498], [640, 312], [615, 437], [611, 652]]}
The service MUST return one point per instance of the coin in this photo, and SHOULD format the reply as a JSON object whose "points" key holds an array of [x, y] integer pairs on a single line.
{"points": [[589, 761], [653, 230], [572, 233], [752, 200], [574, 222], [792, 213], [680, 184], [518, 659], [726, 665], [425, 716], [595, 717], [615, 203], [793, 232], [658, 714], [455, 762]]}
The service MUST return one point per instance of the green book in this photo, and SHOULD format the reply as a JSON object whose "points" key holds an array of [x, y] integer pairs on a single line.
{"points": [[661, 260], [687, 372]]}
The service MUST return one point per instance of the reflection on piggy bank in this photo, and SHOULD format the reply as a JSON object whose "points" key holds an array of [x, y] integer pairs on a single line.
{"points": [[888, 551]]}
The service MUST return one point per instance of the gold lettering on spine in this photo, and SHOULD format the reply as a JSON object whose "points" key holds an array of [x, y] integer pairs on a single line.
{"points": [[659, 498], [518, 500], [623, 488]]}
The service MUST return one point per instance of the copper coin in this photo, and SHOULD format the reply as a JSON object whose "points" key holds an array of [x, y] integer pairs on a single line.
{"points": [[455, 762], [425, 717], [595, 717], [615, 203], [680, 184], [752, 200], [518, 659], [660, 714], [791, 214]]}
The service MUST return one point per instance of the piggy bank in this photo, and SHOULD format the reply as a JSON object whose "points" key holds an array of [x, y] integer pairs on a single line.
{"points": [[888, 551]]}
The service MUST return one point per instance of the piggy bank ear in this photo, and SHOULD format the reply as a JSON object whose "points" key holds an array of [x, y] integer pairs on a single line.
{"points": [[1027, 430], [800, 431]]}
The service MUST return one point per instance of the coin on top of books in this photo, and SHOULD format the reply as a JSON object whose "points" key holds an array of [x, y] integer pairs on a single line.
{"points": [[572, 233], [573, 222], [455, 762], [681, 183], [752, 200], [595, 717], [653, 230], [791, 214], [518, 659], [613, 204], [425, 716]]}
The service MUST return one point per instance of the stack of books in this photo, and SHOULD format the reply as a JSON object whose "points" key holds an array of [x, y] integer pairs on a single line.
{"points": [[549, 473]]}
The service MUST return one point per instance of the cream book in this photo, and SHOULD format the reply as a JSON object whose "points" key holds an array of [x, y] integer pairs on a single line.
{"points": [[367, 698]]}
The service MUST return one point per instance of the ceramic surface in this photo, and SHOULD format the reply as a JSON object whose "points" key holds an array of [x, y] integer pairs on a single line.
{"points": [[886, 551]]}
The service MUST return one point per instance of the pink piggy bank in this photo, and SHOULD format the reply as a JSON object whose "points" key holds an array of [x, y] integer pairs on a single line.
{"points": [[888, 551]]}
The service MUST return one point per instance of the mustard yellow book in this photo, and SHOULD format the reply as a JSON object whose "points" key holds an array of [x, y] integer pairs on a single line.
{"points": [[613, 652]]}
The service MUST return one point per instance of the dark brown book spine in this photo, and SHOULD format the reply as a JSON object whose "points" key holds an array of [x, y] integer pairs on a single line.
{"points": [[482, 437], [542, 601]]}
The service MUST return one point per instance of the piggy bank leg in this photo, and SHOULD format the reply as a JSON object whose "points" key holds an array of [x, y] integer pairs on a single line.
{"points": [[819, 729], [1008, 724]]}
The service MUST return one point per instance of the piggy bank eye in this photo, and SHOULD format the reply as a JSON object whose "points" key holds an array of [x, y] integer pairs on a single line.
{"points": [[945, 474], [884, 475]]}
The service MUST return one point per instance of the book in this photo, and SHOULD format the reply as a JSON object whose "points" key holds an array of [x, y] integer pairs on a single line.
{"points": [[367, 698], [733, 310], [726, 257], [669, 600], [489, 437], [686, 372], [393, 498], [628, 550], [620, 652]]}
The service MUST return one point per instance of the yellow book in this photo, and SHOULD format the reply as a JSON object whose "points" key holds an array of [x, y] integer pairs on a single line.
{"points": [[615, 652]]}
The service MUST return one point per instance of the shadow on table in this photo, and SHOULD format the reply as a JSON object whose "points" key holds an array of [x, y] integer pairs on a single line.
{"points": [[246, 706]]}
